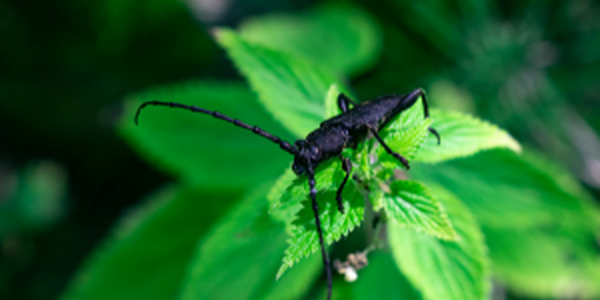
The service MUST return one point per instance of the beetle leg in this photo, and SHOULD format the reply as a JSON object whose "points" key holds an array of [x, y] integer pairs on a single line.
{"points": [[420, 93], [414, 96], [344, 103], [347, 168], [387, 148], [315, 207], [437, 135]]}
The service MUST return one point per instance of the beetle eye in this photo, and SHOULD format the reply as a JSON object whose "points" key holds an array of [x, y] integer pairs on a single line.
{"points": [[314, 150], [298, 169]]}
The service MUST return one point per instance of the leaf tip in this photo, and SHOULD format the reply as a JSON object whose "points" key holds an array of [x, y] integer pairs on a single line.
{"points": [[222, 35], [514, 145], [451, 235], [281, 271]]}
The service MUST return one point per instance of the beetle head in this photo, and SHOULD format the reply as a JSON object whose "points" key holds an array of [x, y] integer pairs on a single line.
{"points": [[307, 158]]}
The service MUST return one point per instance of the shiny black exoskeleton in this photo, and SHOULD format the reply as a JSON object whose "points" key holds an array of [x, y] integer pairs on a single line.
{"points": [[348, 129]]}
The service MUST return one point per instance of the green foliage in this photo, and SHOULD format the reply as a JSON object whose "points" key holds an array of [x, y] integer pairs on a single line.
{"points": [[531, 210], [444, 269], [463, 135], [331, 105], [544, 262], [293, 204], [186, 144], [410, 204], [405, 134], [507, 190], [474, 183], [291, 89], [148, 253], [226, 265], [382, 280], [351, 40], [300, 217]]}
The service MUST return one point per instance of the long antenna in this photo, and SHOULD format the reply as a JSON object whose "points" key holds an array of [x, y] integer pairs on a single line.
{"points": [[315, 207], [283, 144]]}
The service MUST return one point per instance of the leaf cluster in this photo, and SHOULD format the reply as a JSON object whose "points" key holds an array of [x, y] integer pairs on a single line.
{"points": [[469, 210]]}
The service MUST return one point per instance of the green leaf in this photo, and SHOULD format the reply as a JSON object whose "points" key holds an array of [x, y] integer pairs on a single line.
{"points": [[526, 262], [301, 226], [443, 269], [291, 89], [283, 210], [410, 204], [239, 257], [507, 190], [404, 134], [544, 263], [203, 150], [147, 254], [289, 191], [582, 248], [462, 135], [331, 105], [381, 279], [341, 291], [351, 39]]}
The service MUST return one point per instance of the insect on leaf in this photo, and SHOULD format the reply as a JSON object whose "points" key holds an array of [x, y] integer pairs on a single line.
{"points": [[303, 239], [404, 134]]}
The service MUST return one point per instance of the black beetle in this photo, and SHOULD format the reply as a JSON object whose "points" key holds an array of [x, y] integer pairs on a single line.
{"points": [[348, 129]]}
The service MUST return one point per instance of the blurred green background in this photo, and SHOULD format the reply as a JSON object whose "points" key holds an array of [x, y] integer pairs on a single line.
{"points": [[532, 67]]}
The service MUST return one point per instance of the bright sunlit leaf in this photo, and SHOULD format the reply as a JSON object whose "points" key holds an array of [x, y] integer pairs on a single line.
{"points": [[331, 104], [506, 190], [411, 204], [295, 205], [462, 135], [452, 270], [291, 89], [405, 134]]}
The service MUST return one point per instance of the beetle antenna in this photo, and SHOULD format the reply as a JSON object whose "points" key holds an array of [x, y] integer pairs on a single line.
{"points": [[282, 144], [315, 207]]}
